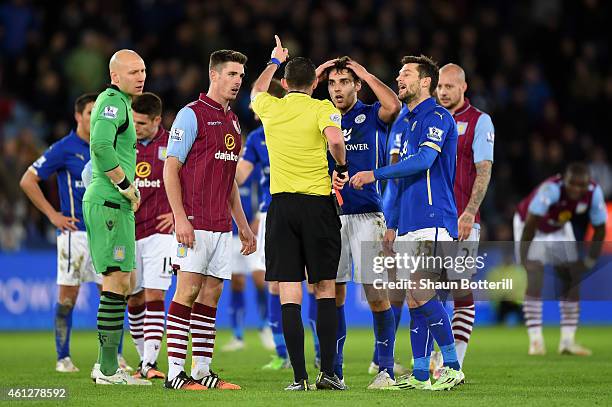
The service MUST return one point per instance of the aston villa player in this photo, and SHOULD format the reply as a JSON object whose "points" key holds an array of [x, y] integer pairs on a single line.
{"points": [[154, 226], [199, 172], [542, 224], [474, 166]]}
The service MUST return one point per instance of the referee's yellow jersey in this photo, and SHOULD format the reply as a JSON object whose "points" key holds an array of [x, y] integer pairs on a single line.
{"points": [[296, 144]]}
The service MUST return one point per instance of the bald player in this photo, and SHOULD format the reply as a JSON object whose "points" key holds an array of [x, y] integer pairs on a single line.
{"points": [[109, 204], [474, 163]]}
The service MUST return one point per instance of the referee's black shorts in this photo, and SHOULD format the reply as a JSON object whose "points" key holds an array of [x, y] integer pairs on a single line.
{"points": [[302, 235]]}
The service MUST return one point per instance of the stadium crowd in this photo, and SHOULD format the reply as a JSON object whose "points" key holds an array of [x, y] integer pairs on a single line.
{"points": [[540, 69]]}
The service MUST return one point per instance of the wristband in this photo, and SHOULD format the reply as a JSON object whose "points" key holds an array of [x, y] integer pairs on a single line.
{"points": [[124, 184], [275, 61], [341, 168]]}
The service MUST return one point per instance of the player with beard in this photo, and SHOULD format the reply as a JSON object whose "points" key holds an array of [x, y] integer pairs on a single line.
{"points": [[474, 165], [424, 215], [364, 127]]}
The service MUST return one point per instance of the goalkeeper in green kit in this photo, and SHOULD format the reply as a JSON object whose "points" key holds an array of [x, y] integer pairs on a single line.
{"points": [[109, 204]]}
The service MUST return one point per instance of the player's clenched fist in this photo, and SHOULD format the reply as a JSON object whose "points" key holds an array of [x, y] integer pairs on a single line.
{"points": [[249, 242], [279, 52], [131, 192], [362, 178]]}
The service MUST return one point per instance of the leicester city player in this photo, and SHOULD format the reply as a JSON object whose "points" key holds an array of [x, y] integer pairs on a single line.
{"points": [[364, 128], [66, 157], [396, 296], [425, 213]]}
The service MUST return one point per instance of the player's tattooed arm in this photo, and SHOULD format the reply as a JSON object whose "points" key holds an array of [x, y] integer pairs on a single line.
{"points": [[389, 103], [481, 184], [479, 190]]}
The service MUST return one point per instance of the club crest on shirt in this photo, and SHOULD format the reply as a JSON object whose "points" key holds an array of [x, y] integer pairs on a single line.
{"points": [[461, 128], [230, 141], [161, 153], [119, 253], [435, 134], [236, 126], [360, 119]]}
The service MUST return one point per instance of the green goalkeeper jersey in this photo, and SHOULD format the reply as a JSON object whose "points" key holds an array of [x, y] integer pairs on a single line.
{"points": [[112, 144]]}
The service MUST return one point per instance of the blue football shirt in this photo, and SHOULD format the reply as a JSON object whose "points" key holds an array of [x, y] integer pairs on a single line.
{"points": [[427, 199], [66, 157], [256, 152], [365, 140]]}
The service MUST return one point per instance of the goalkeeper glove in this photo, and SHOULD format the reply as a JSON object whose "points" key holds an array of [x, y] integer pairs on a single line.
{"points": [[130, 191]]}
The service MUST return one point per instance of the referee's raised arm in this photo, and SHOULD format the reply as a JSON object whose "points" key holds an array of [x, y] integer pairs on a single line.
{"points": [[302, 226]]}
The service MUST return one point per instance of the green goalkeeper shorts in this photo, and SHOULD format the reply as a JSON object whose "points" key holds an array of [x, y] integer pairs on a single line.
{"points": [[111, 233]]}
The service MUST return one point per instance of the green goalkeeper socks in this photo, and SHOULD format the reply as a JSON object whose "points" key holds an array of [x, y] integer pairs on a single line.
{"points": [[110, 330]]}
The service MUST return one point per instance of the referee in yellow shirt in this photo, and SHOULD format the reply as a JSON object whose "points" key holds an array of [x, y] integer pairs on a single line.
{"points": [[302, 226]]}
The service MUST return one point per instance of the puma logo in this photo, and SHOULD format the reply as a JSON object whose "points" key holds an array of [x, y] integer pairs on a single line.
{"points": [[385, 342], [415, 330], [440, 322]]}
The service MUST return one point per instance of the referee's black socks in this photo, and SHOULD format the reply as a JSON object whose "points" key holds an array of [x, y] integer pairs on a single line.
{"points": [[293, 330], [327, 325]]}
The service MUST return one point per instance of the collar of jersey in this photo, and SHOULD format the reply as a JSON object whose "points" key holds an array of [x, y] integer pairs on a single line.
{"points": [[122, 93], [356, 106], [466, 106], [160, 131], [298, 93], [424, 107], [215, 105], [74, 134]]}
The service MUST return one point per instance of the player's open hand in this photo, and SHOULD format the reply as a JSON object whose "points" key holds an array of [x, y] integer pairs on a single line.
{"points": [[64, 223], [338, 180], [184, 232], [359, 70], [323, 67], [166, 223], [465, 224], [248, 240], [362, 178], [279, 52]]}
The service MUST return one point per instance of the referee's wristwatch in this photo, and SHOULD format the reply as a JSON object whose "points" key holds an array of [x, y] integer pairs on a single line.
{"points": [[340, 169]]}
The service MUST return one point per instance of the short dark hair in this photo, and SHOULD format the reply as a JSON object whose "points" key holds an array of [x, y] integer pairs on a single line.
{"points": [[427, 68], [226, 55], [148, 103], [83, 100], [276, 89], [579, 169], [340, 65], [300, 72]]}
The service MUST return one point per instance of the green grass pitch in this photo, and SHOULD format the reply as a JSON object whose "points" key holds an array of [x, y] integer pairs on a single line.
{"points": [[498, 372]]}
